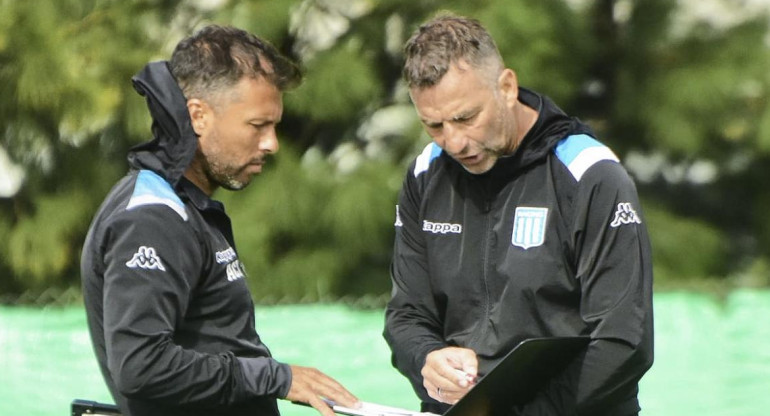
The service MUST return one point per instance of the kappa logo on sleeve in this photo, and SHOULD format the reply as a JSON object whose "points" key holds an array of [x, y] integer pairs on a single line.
{"points": [[146, 258], [625, 215]]}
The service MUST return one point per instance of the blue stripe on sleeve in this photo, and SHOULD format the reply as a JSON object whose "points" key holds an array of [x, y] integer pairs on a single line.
{"points": [[151, 189], [569, 148], [580, 152]]}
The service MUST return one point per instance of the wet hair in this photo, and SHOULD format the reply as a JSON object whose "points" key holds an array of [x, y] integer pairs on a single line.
{"points": [[447, 40], [218, 57]]}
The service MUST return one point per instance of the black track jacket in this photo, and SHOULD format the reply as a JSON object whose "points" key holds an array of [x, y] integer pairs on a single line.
{"points": [[169, 312], [550, 242]]}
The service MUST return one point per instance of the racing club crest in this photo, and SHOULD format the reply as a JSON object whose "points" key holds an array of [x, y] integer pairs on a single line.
{"points": [[529, 227]]}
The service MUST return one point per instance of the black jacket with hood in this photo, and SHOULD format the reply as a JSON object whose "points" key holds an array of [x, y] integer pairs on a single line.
{"points": [[549, 242], [169, 312]]}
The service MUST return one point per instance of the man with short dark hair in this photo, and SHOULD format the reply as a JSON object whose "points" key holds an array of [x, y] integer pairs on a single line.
{"points": [[169, 312], [514, 223]]}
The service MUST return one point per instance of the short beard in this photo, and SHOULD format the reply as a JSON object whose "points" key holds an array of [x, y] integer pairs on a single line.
{"points": [[223, 176]]}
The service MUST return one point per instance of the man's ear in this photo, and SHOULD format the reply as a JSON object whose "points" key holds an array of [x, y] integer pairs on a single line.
{"points": [[199, 114], [509, 86]]}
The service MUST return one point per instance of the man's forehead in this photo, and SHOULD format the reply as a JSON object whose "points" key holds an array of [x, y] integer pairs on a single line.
{"points": [[435, 106], [255, 96]]}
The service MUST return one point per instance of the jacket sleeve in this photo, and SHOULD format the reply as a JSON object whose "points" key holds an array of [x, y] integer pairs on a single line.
{"points": [[412, 324], [152, 263], [614, 267]]}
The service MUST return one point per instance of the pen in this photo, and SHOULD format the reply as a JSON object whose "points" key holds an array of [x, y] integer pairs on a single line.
{"points": [[465, 376]]}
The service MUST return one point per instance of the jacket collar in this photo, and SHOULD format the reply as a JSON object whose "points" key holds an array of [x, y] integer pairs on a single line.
{"points": [[199, 199]]}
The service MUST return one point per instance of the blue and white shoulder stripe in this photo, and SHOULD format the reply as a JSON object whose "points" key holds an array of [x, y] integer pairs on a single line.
{"points": [[431, 152], [151, 189], [580, 152]]}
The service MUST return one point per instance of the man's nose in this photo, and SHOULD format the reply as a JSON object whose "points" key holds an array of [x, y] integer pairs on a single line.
{"points": [[454, 139], [269, 142]]}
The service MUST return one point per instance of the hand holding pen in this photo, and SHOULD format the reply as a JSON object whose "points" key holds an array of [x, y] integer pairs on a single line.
{"points": [[449, 373]]}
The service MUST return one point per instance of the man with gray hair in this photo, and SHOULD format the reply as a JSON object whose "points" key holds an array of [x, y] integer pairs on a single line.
{"points": [[170, 314], [541, 235]]}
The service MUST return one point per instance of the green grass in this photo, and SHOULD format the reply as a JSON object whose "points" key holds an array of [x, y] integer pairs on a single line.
{"points": [[711, 355]]}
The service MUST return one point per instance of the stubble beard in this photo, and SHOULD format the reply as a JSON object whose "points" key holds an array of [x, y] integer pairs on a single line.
{"points": [[224, 175]]}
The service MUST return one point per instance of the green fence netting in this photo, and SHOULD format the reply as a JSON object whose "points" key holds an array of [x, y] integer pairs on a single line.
{"points": [[712, 355]]}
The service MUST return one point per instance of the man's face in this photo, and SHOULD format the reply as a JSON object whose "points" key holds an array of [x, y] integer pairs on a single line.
{"points": [[237, 132], [469, 116]]}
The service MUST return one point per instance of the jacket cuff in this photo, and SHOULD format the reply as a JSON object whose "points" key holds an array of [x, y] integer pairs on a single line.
{"points": [[265, 377], [426, 349]]}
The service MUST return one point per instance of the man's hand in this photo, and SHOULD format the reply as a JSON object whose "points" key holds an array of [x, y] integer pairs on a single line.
{"points": [[449, 373], [309, 385]]}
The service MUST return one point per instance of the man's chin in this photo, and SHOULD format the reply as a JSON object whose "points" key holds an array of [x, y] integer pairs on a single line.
{"points": [[479, 168], [235, 185]]}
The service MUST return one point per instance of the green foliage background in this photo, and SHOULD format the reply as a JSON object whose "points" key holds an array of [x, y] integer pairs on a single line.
{"points": [[674, 94]]}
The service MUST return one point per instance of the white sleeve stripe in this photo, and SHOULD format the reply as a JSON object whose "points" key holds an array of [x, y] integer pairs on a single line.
{"points": [[589, 157]]}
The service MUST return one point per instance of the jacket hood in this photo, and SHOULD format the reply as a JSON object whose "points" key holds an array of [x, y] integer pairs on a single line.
{"points": [[174, 141], [552, 126]]}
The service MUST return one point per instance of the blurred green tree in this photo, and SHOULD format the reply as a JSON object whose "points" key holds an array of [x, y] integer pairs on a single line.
{"points": [[682, 96], [68, 117], [681, 91]]}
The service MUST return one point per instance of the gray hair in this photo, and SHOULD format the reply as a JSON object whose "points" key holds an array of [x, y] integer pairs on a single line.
{"points": [[444, 41]]}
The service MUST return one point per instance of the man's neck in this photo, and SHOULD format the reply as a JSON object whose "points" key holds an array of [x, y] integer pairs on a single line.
{"points": [[195, 174], [526, 117]]}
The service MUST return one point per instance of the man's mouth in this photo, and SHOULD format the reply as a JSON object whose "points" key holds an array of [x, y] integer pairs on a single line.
{"points": [[470, 160], [255, 166]]}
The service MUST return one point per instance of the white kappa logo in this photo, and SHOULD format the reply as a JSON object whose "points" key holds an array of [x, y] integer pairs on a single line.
{"points": [[441, 227], [625, 215], [145, 258]]}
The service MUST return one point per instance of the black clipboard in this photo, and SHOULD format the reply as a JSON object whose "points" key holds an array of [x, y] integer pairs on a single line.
{"points": [[519, 376]]}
